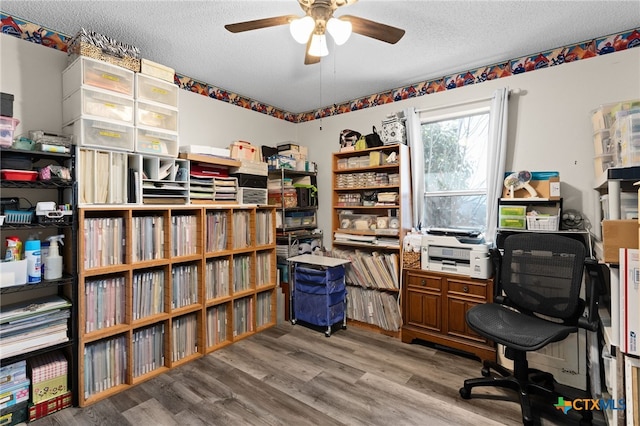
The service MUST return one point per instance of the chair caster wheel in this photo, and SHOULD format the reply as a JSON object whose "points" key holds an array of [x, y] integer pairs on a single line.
{"points": [[486, 372], [327, 333], [465, 393], [344, 327], [293, 322]]}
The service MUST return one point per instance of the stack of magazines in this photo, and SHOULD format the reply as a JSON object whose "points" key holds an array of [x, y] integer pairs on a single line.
{"points": [[35, 324]]}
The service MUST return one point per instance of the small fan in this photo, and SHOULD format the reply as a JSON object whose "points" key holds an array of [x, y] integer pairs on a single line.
{"points": [[572, 219], [519, 180]]}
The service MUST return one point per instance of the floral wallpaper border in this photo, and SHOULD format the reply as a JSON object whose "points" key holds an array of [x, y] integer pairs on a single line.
{"points": [[587, 49]]}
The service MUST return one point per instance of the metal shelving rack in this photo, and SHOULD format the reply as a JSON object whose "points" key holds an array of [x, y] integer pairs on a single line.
{"points": [[67, 285]]}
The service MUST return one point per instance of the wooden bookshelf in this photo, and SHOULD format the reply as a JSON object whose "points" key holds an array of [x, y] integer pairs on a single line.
{"points": [[167, 311], [370, 227]]}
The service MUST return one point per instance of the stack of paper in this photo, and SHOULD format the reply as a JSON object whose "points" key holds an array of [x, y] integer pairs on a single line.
{"points": [[34, 324]]}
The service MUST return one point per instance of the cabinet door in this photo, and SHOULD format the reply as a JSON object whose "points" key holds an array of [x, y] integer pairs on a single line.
{"points": [[424, 309], [462, 295]]}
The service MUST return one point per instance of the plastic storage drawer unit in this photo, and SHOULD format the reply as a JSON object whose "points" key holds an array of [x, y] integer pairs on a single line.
{"points": [[87, 71], [155, 90], [156, 142], [158, 116], [98, 104], [101, 134]]}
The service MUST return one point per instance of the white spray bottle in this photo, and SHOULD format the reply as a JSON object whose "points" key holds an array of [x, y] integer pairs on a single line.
{"points": [[53, 271]]}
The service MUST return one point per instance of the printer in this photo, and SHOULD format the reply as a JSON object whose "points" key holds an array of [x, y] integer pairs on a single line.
{"points": [[456, 254]]}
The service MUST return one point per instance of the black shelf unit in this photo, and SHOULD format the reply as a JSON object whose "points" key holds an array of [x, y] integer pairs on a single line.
{"points": [[292, 236], [63, 192]]}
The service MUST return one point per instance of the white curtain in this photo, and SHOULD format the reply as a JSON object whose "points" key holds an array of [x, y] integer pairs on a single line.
{"points": [[497, 157], [416, 148]]}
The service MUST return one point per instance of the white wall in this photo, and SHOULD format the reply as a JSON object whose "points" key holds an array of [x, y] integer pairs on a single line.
{"points": [[33, 74], [204, 121], [549, 123]]}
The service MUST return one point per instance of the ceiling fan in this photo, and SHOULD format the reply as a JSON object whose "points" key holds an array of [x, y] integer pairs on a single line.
{"points": [[318, 19]]}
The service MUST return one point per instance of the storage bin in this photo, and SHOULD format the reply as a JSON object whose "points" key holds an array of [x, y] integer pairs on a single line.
{"points": [[48, 376], [26, 175], [290, 197], [6, 104], [155, 90], [95, 45], [542, 222], [359, 222], [13, 273], [14, 394], [513, 222], [13, 373], [156, 142], [87, 71], [18, 217], [157, 116], [99, 104], [157, 70], [7, 128], [314, 308], [320, 277], [508, 210], [15, 414], [343, 164], [101, 134], [15, 161]]}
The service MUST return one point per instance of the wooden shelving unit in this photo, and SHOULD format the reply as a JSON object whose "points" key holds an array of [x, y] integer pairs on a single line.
{"points": [[372, 229], [211, 282]]}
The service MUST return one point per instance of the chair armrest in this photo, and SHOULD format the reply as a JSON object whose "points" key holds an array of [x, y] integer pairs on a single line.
{"points": [[593, 275]]}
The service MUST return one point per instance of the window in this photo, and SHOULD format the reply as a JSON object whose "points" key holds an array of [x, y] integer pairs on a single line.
{"points": [[455, 170]]}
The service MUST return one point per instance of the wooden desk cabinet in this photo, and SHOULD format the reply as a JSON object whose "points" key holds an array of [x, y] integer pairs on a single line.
{"points": [[434, 306]]}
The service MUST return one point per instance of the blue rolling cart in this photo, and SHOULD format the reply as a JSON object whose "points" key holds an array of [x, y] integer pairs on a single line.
{"points": [[319, 294]]}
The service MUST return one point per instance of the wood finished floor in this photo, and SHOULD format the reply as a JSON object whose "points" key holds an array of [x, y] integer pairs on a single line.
{"points": [[294, 375]]}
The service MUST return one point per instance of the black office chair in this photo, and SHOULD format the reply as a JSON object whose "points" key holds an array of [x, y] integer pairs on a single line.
{"points": [[538, 302]]}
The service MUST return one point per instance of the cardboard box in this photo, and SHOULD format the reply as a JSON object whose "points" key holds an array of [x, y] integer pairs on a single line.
{"points": [[157, 70], [617, 234], [548, 188]]}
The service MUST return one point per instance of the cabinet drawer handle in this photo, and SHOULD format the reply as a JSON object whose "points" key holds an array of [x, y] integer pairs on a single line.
{"points": [[423, 282], [465, 289]]}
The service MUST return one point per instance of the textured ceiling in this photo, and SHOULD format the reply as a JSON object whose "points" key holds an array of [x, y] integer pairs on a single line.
{"points": [[442, 38]]}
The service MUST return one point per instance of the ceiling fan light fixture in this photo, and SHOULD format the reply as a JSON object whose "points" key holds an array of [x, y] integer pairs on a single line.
{"points": [[318, 45], [302, 28], [340, 30]]}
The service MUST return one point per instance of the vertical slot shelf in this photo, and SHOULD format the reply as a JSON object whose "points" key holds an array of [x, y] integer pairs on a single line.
{"points": [[219, 332], [148, 351], [149, 295], [195, 278]]}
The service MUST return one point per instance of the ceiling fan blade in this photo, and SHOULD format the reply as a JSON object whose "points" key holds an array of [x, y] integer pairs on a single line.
{"points": [[374, 29], [260, 23], [309, 59], [340, 3]]}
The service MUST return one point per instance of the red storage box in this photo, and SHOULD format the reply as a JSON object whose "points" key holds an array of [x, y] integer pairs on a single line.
{"points": [[9, 174]]}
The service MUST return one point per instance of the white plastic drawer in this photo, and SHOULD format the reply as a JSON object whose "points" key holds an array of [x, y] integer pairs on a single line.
{"points": [[154, 115], [155, 142], [87, 71], [156, 90], [100, 104], [102, 134]]}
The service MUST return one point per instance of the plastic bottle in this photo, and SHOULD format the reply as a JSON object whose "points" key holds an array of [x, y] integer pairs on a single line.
{"points": [[14, 249], [53, 260], [32, 255]]}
